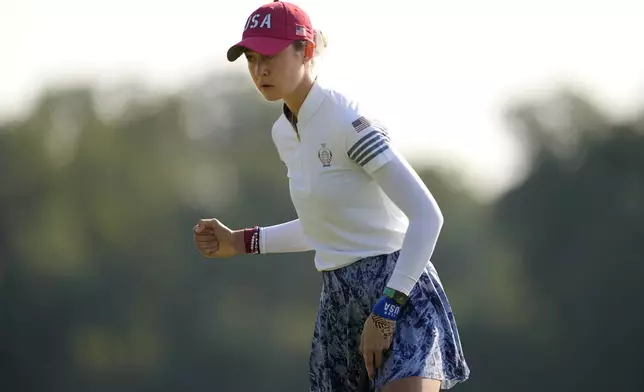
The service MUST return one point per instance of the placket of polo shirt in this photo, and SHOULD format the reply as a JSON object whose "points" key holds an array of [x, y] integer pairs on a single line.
{"points": [[310, 106], [297, 132], [302, 125], [292, 119], [300, 181]]}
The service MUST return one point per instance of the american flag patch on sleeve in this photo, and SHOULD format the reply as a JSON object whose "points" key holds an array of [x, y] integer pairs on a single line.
{"points": [[361, 124]]}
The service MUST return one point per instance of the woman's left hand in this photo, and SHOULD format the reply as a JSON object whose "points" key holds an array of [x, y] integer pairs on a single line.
{"points": [[377, 336]]}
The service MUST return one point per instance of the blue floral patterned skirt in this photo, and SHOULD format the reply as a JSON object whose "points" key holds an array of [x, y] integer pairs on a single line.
{"points": [[426, 340]]}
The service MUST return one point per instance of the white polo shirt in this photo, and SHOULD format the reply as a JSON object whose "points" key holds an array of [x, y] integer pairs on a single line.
{"points": [[329, 154]]}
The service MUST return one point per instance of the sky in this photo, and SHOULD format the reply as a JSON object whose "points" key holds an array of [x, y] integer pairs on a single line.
{"points": [[440, 74]]}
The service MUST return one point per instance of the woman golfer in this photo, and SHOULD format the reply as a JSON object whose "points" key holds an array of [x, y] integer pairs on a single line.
{"points": [[383, 316]]}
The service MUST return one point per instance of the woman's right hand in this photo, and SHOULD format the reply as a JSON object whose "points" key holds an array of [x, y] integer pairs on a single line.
{"points": [[214, 240]]}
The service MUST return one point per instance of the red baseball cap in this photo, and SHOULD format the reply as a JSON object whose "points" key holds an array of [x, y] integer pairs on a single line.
{"points": [[271, 28]]}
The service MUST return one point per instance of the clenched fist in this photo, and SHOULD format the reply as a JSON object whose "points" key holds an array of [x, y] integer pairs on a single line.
{"points": [[214, 240]]}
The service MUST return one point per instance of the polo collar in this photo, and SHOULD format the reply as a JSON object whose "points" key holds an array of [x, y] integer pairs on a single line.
{"points": [[311, 104]]}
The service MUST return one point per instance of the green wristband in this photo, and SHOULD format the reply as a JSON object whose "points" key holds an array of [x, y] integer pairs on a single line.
{"points": [[396, 295]]}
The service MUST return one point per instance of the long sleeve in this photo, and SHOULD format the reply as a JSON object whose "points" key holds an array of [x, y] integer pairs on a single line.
{"points": [[403, 186], [283, 238]]}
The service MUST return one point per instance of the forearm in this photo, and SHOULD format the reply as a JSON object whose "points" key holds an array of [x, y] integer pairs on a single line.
{"points": [[283, 238], [403, 186], [418, 246]]}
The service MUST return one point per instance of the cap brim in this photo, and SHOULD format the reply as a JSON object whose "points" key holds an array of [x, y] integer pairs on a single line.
{"points": [[262, 45]]}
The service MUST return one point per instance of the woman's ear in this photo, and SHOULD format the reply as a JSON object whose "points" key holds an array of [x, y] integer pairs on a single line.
{"points": [[309, 50]]}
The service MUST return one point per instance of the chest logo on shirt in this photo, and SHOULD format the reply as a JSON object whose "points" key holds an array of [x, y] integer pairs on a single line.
{"points": [[325, 155]]}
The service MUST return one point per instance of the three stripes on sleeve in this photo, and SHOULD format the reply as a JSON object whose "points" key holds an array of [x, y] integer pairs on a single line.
{"points": [[374, 141]]}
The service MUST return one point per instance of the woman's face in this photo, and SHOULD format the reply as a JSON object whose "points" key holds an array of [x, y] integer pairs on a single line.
{"points": [[279, 75]]}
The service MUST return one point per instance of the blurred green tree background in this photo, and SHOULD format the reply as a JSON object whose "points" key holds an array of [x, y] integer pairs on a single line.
{"points": [[102, 290]]}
